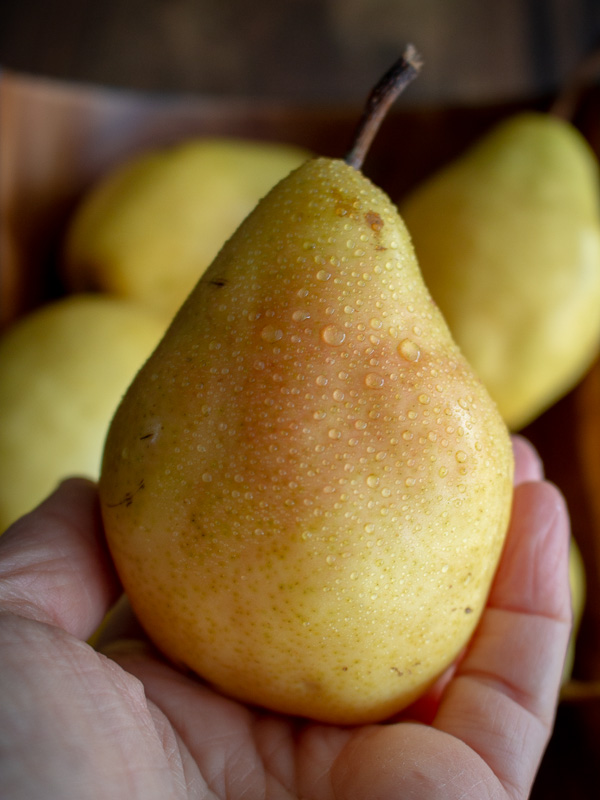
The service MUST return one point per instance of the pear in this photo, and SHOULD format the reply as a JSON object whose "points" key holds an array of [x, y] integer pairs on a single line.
{"points": [[63, 370], [578, 584], [151, 226], [508, 241], [306, 489]]}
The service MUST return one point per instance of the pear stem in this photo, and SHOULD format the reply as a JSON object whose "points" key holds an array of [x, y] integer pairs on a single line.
{"points": [[583, 76], [382, 97]]}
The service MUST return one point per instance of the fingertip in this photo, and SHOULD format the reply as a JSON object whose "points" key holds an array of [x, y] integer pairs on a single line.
{"points": [[54, 562], [75, 480], [533, 573], [76, 487], [528, 463], [70, 497]]}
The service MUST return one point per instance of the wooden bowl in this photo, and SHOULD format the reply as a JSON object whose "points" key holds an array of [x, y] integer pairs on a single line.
{"points": [[57, 138]]}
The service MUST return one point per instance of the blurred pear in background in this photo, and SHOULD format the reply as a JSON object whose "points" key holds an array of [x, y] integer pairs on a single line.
{"points": [[150, 228], [63, 371]]}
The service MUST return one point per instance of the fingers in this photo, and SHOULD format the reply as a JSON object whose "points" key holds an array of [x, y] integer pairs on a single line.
{"points": [[503, 699], [54, 565]]}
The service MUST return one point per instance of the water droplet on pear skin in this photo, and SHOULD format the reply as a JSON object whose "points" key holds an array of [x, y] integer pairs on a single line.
{"points": [[333, 335], [271, 334], [374, 381], [409, 350], [299, 316]]}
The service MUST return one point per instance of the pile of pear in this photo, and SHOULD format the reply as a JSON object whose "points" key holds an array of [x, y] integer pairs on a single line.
{"points": [[307, 485]]}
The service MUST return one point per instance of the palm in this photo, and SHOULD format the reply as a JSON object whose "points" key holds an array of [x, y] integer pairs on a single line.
{"points": [[167, 735], [127, 725]]}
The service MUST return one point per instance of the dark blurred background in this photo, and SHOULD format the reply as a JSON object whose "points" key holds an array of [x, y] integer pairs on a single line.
{"points": [[302, 50]]}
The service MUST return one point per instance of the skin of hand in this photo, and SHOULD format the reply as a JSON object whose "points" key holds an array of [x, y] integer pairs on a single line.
{"points": [[121, 724]]}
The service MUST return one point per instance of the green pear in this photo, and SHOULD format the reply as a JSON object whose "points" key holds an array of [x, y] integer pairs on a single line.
{"points": [[63, 371], [150, 227], [306, 489], [508, 240]]}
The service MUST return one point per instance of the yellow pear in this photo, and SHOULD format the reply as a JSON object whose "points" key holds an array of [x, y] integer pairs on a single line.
{"points": [[578, 583], [63, 371], [508, 240], [306, 489], [149, 229]]}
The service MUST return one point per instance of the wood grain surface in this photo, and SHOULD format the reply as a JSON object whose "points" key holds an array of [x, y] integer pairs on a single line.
{"points": [[301, 50]]}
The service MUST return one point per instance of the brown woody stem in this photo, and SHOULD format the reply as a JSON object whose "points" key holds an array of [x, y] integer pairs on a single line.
{"points": [[583, 76], [384, 94]]}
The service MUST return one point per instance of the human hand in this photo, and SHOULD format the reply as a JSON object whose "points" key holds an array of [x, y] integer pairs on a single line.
{"points": [[77, 724]]}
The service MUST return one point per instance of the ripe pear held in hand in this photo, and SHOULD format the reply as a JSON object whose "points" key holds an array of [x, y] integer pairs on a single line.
{"points": [[508, 240], [306, 490]]}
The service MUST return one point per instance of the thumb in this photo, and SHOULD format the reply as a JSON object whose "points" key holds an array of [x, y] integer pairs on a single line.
{"points": [[54, 563]]}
